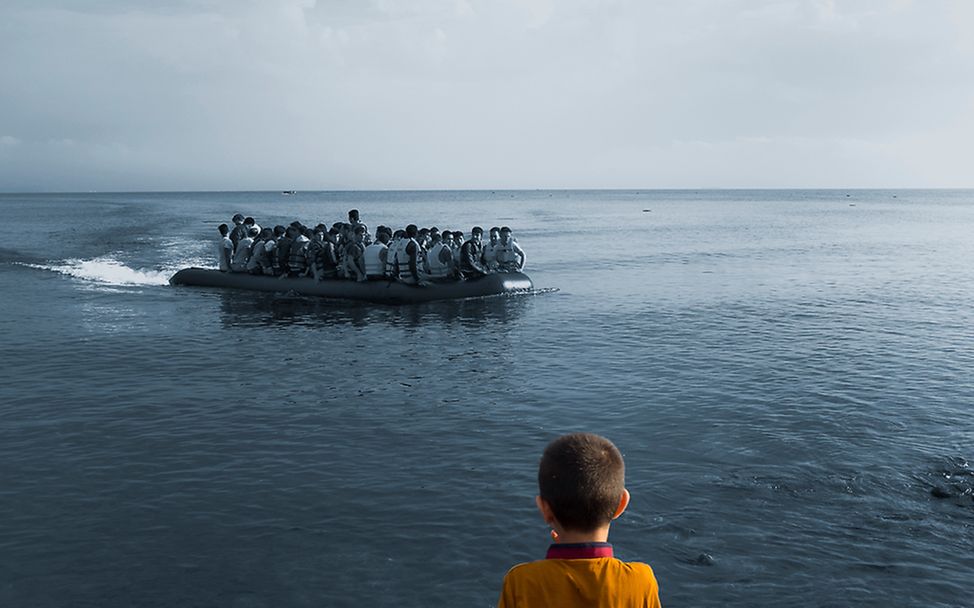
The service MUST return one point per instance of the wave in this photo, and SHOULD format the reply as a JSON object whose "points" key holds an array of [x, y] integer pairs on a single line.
{"points": [[106, 271]]}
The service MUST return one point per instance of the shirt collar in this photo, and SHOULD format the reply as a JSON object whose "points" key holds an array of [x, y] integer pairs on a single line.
{"points": [[579, 551]]}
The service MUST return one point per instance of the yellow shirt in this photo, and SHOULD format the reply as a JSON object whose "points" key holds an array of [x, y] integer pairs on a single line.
{"points": [[583, 575]]}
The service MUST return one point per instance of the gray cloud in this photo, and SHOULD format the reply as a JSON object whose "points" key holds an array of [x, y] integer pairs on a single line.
{"points": [[478, 93]]}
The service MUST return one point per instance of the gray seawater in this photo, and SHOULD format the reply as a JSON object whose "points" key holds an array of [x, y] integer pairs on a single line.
{"points": [[788, 374]]}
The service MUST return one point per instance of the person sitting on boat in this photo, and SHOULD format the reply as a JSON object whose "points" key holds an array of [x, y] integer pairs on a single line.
{"points": [[324, 262], [269, 265], [354, 261], [410, 261], [258, 252], [439, 259], [284, 244], [297, 259], [397, 243], [490, 248], [388, 232], [280, 240], [314, 247], [241, 255], [225, 248], [472, 256], [456, 244], [510, 256], [423, 238], [238, 231], [375, 256], [354, 222], [249, 223]]}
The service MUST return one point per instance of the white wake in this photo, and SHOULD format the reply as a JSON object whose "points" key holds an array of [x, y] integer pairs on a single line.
{"points": [[107, 271]]}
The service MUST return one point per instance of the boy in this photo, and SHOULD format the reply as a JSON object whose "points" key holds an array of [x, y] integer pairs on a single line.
{"points": [[581, 481], [225, 248]]}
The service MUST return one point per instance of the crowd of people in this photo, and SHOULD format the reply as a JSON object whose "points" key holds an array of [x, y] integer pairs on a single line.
{"points": [[348, 250]]}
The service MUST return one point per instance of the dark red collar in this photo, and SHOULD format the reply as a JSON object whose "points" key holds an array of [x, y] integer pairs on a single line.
{"points": [[579, 551]]}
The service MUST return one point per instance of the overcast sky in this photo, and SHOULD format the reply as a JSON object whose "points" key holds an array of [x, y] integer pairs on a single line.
{"points": [[363, 94]]}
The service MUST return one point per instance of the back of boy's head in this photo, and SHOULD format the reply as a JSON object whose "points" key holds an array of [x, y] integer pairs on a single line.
{"points": [[582, 478]]}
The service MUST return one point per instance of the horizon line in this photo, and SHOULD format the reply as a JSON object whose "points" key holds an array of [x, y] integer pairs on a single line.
{"points": [[351, 190]]}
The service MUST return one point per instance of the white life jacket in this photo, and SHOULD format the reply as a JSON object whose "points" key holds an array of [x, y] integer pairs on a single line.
{"points": [[403, 257], [374, 267], [506, 256], [490, 254], [437, 268]]}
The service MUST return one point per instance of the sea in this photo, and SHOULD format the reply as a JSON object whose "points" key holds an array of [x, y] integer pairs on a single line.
{"points": [[789, 375]]}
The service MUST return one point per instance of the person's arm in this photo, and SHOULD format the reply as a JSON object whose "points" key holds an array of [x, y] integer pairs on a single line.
{"points": [[270, 256], [227, 253], [519, 251], [359, 262], [315, 261], [330, 252], [412, 250]]}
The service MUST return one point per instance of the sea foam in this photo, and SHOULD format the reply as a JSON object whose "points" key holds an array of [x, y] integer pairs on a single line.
{"points": [[107, 271]]}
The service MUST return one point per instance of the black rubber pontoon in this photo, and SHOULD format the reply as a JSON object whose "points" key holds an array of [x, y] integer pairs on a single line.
{"points": [[385, 292]]}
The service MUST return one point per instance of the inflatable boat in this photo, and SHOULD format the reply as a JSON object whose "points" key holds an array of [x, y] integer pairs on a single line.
{"points": [[385, 292]]}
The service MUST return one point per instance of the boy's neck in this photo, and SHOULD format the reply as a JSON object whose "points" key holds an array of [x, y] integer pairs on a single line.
{"points": [[599, 535]]}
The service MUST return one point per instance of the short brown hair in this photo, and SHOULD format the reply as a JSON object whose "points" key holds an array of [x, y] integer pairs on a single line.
{"points": [[582, 477]]}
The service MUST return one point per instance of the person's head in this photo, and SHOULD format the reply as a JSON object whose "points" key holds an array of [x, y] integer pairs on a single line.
{"points": [[436, 237], [224, 229], [307, 232], [249, 221], [398, 234], [458, 237], [495, 234], [321, 228], [383, 237], [505, 234], [296, 224], [266, 234], [476, 233], [412, 231], [238, 218], [359, 233], [291, 232], [581, 483], [353, 216], [279, 231], [253, 231]]}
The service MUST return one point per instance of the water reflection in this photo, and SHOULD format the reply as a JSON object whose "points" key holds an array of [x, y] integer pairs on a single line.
{"points": [[254, 309]]}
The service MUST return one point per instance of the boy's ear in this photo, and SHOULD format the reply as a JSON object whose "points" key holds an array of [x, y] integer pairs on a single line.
{"points": [[623, 503], [545, 508]]}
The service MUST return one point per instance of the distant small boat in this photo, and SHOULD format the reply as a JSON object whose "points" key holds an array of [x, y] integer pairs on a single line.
{"points": [[288, 192]]}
